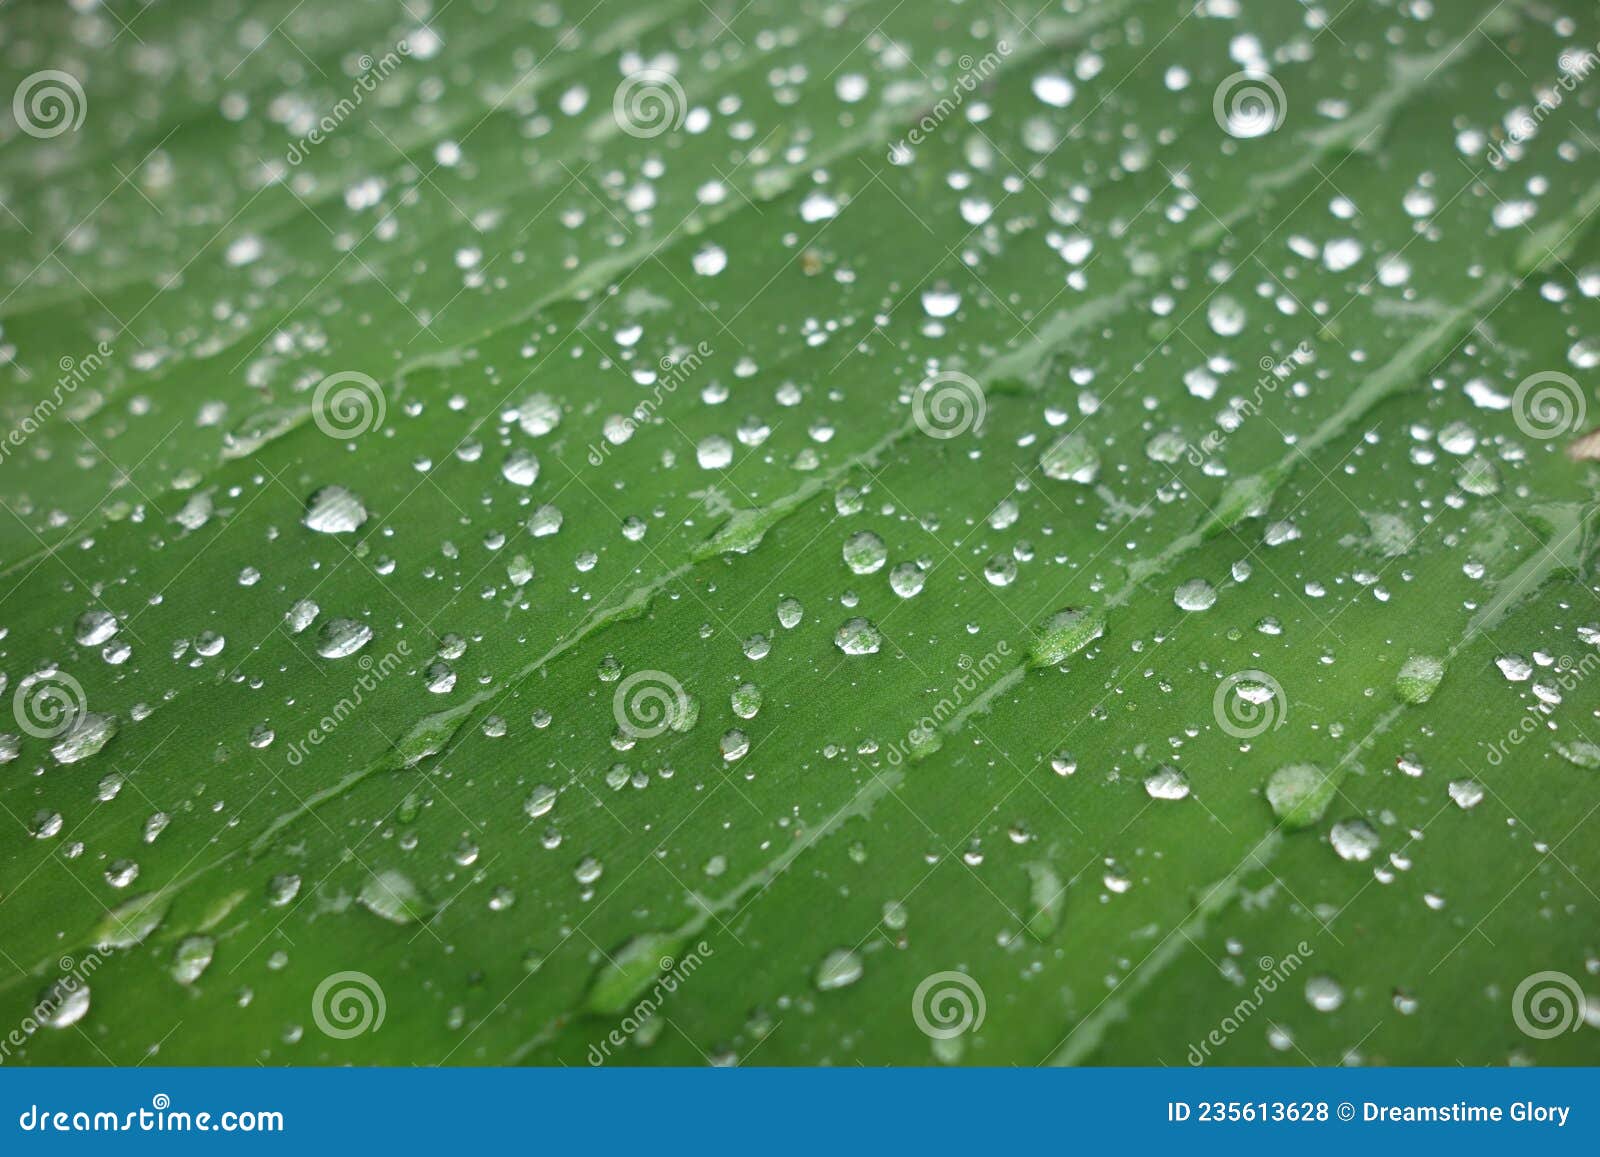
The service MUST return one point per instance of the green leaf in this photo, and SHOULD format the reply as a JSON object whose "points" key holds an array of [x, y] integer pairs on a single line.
{"points": [[979, 536]]}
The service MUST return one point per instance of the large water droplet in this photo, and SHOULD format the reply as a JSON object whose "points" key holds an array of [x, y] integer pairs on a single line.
{"points": [[864, 552], [858, 637], [1071, 459], [1354, 840], [1419, 678], [1299, 793], [95, 627], [334, 510], [1166, 783], [342, 637]]}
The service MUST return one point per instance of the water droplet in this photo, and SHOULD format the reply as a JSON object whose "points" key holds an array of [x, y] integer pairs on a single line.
{"points": [[64, 1003], [301, 615], [95, 627], [1046, 895], [88, 735], [1166, 783], [1054, 89], [1071, 459], [714, 452], [540, 800], [121, 873], [1354, 840], [342, 637], [1067, 632], [132, 922], [839, 969], [907, 580], [1000, 570], [1324, 994], [1195, 595], [391, 895], [1299, 793], [521, 467], [858, 637], [1419, 677], [940, 302], [1580, 753], [710, 261], [192, 957], [864, 552], [734, 745], [1225, 315], [544, 522], [282, 889], [539, 415], [334, 510], [746, 700], [626, 973]]}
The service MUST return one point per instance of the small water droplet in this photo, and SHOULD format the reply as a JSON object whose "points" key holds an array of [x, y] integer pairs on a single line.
{"points": [[839, 969]]}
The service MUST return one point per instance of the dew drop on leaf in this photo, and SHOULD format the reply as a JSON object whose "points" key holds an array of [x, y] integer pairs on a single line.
{"points": [[334, 510], [839, 969]]}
